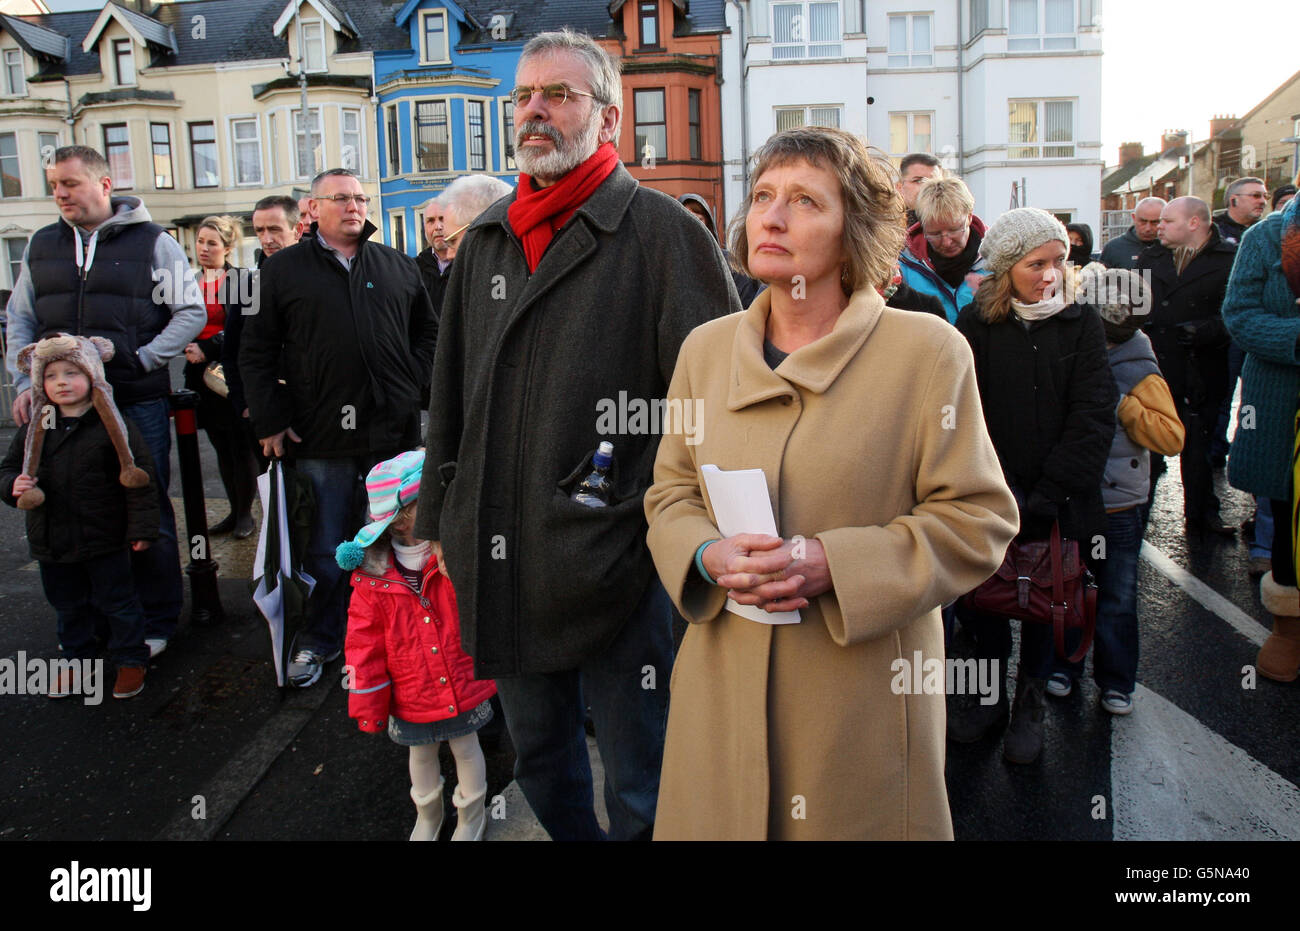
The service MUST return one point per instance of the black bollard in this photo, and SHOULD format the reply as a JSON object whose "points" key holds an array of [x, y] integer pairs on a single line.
{"points": [[205, 600]]}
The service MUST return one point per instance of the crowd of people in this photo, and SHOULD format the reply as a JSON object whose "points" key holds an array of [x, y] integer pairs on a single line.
{"points": [[920, 389]]}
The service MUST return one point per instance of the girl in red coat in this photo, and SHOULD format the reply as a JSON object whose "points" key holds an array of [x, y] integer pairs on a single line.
{"points": [[407, 671]]}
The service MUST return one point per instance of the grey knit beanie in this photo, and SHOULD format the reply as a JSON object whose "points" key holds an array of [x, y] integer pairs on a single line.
{"points": [[1017, 233]]}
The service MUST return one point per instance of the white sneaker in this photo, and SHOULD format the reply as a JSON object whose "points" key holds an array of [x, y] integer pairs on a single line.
{"points": [[1059, 685], [306, 667], [156, 645]]}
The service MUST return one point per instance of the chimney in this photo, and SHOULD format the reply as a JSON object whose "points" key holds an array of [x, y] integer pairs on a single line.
{"points": [[1219, 123], [1129, 152], [1171, 139]]}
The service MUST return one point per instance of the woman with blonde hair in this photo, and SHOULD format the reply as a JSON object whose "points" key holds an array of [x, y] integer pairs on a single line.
{"points": [[214, 241], [866, 424]]}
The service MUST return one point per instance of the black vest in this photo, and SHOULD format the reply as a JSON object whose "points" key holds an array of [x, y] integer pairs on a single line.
{"points": [[115, 300]]}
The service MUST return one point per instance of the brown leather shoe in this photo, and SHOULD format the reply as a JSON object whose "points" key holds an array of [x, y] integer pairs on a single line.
{"points": [[1024, 740], [130, 681]]}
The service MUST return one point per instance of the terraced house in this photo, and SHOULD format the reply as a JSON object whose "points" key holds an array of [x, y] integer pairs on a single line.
{"points": [[197, 105]]}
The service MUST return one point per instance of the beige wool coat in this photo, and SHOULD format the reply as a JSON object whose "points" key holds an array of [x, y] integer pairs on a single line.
{"points": [[873, 441]]}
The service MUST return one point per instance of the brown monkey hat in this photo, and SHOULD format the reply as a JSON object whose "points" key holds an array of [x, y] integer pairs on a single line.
{"points": [[89, 355]]}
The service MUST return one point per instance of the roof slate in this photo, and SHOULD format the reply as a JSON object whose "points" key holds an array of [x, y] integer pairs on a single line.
{"points": [[37, 40]]}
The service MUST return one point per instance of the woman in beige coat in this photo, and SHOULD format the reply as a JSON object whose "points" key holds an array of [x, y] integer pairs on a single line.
{"points": [[887, 492]]}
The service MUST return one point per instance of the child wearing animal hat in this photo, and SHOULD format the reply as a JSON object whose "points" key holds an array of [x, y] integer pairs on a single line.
{"points": [[406, 667], [84, 476]]}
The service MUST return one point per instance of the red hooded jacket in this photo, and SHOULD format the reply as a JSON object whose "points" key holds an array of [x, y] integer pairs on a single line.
{"points": [[405, 654]]}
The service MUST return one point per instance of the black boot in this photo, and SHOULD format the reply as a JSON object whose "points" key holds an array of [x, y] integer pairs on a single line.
{"points": [[1024, 740], [970, 721]]}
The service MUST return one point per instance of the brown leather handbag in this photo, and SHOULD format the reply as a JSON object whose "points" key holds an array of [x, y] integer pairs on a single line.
{"points": [[1046, 582]]}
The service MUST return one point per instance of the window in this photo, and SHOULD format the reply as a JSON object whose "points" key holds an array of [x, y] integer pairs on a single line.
{"points": [[508, 134], [247, 141], [203, 154], [160, 145], [807, 116], [979, 17], [1057, 25], [313, 45], [910, 132], [909, 42], [14, 249], [397, 227], [394, 143], [273, 134], [15, 79], [693, 123], [1041, 129], [46, 145], [1089, 13], [11, 182], [648, 12], [651, 124], [805, 30], [432, 141], [117, 149], [307, 152], [434, 44], [477, 135], [124, 61], [354, 150]]}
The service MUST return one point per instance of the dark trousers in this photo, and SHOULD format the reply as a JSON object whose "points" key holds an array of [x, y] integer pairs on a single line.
{"points": [[1283, 546], [1200, 503], [236, 464], [89, 593], [157, 570], [1219, 442], [545, 711]]}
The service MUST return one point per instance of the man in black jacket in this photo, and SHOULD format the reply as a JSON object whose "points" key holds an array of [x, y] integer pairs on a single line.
{"points": [[433, 262], [347, 324], [1189, 271], [1123, 251]]}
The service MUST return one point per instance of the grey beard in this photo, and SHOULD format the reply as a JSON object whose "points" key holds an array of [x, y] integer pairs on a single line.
{"points": [[566, 156]]}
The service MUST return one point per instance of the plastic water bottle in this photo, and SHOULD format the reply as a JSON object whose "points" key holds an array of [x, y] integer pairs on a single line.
{"points": [[594, 490]]}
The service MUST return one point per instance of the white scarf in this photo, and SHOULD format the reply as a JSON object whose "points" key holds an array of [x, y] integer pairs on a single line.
{"points": [[413, 557], [1042, 310]]}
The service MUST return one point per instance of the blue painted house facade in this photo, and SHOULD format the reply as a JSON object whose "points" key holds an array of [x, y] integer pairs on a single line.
{"points": [[444, 109]]}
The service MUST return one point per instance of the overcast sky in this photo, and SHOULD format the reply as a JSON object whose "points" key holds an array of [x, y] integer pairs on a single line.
{"points": [[1170, 64]]}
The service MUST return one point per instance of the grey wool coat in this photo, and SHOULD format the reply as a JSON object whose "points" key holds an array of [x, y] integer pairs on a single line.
{"points": [[526, 369]]}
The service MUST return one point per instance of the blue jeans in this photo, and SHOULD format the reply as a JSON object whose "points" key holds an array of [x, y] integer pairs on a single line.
{"points": [[339, 485], [1262, 543], [544, 713], [94, 591], [157, 570], [1115, 645]]}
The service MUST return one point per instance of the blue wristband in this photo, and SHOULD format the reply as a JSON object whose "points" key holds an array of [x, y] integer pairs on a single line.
{"points": [[699, 562]]}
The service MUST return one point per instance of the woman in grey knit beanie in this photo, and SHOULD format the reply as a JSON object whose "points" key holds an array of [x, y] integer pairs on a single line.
{"points": [[1049, 405]]}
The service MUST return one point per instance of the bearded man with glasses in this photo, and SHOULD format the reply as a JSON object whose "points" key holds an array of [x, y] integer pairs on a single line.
{"points": [[332, 364], [575, 291]]}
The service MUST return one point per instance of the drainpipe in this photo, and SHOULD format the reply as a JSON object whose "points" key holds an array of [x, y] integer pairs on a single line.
{"points": [[744, 101], [961, 84]]}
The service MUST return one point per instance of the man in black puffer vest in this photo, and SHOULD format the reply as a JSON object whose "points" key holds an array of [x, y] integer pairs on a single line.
{"points": [[106, 270], [346, 323]]}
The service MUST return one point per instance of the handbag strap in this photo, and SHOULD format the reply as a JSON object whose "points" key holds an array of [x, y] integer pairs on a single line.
{"points": [[1058, 603]]}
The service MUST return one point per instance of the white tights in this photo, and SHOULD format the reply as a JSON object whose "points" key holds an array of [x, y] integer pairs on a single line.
{"points": [[471, 770]]}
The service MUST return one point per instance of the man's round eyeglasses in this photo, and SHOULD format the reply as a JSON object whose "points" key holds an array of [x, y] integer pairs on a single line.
{"points": [[342, 199], [554, 94]]}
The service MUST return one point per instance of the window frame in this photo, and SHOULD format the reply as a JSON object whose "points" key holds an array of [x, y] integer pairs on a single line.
{"points": [[17, 166], [396, 224], [361, 168], [116, 50], [216, 153], [910, 54], [272, 146], [910, 116], [315, 128], [506, 110], [236, 142], [13, 265], [637, 123], [695, 123], [392, 140], [1038, 41], [807, 45], [118, 184], [648, 11], [170, 155], [806, 113], [425, 16], [1040, 124], [477, 162], [417, 166], [21, 65], [307, 42], [40, 147]]}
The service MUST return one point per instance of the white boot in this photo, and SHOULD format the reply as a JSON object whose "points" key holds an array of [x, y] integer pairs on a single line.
{"points": [[428, 821], [471, 819]]}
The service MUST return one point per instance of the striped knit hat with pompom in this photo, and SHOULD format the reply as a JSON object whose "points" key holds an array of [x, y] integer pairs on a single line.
{"points": [[391, 485]]}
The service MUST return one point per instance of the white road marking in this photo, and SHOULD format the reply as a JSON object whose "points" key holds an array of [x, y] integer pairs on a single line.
{"points": [[1205, 596], [1172, 778]]}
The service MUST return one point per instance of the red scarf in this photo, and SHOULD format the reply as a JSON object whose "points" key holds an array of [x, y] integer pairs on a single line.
{"points": [[537, 213]]}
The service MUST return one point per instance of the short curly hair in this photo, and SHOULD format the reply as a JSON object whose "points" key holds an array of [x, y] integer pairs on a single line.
{"points": [[873, 209]]}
